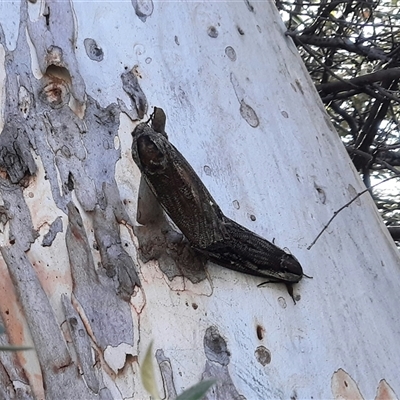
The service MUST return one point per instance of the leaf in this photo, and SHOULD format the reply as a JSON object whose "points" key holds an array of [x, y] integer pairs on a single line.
{"points": [[15, 348], [147, 373], [197, 392]]}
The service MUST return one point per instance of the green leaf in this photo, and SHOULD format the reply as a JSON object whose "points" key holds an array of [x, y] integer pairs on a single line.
{"points": [[197, 392], [15, 348], [147, 373]]}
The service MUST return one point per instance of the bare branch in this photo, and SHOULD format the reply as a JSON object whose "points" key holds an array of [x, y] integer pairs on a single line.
{"points": [[359, 81]]}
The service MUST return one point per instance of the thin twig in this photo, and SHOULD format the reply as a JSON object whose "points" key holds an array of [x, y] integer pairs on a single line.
{"points": [[346, 205]]}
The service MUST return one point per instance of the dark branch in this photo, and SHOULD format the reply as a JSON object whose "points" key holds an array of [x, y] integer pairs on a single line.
{"points": [[359, 81]]}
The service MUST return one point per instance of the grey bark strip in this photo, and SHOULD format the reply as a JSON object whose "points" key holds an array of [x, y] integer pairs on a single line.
{"points": [[55, 361], [14, 383], [15, 212], [55, 227], [115, 260], [109, 317], [81, 343]]}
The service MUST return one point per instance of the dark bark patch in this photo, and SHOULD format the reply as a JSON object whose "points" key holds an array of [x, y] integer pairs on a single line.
{"points": [[131, 86], [215, 347], [15, 156], [263, 355], [216, 367]]}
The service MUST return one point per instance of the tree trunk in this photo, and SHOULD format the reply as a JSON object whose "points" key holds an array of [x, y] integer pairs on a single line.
{"points": [[89, 287]]}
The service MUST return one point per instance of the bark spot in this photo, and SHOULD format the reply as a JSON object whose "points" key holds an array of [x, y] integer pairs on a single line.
{"points": [[207, 170], [248, 114], [263, 355], [249, 6], [321, 193], [282, 302], [212, 32], [260, 332], [143, 8], [93, 51], [55, 92], [231, 53]]}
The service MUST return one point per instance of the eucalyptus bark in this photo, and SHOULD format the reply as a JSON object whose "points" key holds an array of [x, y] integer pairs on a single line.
{"points": [[92, 270]]}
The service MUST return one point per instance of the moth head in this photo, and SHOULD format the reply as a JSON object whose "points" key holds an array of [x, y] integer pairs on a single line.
{"points": [[147, 148], [158, 121], [291, 267], [150, 154]]}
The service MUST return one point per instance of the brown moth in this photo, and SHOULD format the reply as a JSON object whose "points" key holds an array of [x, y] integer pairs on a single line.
{"points": [[191, 207]]}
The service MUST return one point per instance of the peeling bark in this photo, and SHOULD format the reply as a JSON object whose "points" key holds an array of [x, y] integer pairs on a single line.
{"points": [[114, 259], [216, 351], [81, 342], [17, 215], [95, 295], [13, 381], [55, 227], [55, 49], [164, 363], [57, 368]]}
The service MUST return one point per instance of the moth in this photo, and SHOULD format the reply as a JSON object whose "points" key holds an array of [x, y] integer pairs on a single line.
{"points": [[194, 211]]}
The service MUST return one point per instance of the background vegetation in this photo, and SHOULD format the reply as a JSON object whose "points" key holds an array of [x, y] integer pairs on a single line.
{"points": [[352, 52]]}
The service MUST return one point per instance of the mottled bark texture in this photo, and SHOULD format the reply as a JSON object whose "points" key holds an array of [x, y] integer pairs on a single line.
{"points": [[53, 120], [216, 367]]}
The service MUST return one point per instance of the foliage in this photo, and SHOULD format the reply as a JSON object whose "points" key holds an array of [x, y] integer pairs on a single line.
{"points": [[352, 52], [196, 392]]}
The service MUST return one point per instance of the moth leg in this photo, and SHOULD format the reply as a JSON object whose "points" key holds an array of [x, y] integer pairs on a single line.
{"points": [[289, 287]]}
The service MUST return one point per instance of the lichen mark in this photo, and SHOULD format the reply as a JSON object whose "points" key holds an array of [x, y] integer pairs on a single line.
{"points": [[215, 346], [164, 363], [16, 214], [81, 342]]}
